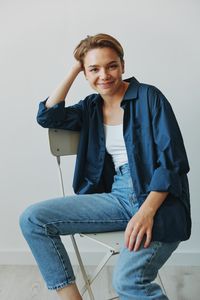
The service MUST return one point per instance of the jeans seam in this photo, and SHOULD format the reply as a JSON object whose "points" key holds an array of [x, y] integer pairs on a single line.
{"points": [[68, 277], [91, 221]]}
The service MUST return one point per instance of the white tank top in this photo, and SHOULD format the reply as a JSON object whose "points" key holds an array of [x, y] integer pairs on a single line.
{"points": [[115, 144]]}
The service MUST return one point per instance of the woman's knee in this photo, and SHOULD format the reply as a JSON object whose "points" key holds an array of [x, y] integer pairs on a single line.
{"points": [[29, 217]]}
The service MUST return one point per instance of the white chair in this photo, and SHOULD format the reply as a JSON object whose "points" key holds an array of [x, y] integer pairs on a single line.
{"points": [[63, 143]]}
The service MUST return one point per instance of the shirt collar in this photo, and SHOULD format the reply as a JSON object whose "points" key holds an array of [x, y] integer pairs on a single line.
{"points": [[132, 91]]}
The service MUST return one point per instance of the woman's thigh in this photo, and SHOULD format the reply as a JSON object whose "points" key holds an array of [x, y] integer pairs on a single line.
{"points": [[79, 214]]}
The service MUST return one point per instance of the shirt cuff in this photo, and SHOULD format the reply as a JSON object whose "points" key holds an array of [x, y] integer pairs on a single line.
{"points": [[43, 108], [52, 114], [165, 180]]}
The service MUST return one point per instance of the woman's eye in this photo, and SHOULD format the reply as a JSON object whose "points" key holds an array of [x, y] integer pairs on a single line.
{"points": [[94, 70], [111, 67]]}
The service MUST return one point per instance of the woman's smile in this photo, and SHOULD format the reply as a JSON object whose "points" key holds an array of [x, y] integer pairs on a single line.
{"points": [[106, 85]]}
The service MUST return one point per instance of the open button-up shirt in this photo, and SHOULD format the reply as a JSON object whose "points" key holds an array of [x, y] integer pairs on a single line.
{"points": [[155, 149]]}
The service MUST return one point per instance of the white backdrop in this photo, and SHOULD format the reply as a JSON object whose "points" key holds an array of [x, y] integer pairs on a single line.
{"points": [[161, 42]]}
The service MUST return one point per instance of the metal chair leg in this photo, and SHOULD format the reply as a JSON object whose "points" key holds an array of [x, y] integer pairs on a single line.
{"points": [[82, 268], [162, 285]]}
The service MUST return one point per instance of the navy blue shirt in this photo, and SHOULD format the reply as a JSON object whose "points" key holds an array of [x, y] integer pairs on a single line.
{"points": [[155, 149]]}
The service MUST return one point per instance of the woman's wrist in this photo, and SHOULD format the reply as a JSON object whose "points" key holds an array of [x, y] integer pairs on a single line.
{"points": [[62, 89], [77, 68], [153, 201]]}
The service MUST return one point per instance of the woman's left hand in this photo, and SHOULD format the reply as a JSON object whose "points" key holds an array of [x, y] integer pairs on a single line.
{"points": [[139, 228]]}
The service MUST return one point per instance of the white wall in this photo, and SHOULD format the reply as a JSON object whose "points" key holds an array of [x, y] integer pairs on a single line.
{"points": [[160, 39]]}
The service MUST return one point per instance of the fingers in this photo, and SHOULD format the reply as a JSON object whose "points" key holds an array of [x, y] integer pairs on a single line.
{"points": [[138, 241], [148, 239], [135, 235], [129, 234], [135, 240]]}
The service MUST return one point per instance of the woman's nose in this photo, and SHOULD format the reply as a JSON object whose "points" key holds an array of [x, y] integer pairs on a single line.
{"points": [[104, 74]]}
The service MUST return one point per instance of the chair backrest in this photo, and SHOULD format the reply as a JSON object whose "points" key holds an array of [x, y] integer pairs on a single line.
{"points": [[63, 142]]}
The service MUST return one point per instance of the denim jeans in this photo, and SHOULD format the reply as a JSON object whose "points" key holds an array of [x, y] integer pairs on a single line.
{"points": [[43, 223]]}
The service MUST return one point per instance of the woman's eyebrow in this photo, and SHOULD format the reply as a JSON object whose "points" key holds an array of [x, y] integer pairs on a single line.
{"points": [[92, 66], [111, 62]]}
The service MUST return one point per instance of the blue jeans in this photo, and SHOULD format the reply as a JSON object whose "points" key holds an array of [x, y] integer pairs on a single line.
{"points": [[43, 223]]}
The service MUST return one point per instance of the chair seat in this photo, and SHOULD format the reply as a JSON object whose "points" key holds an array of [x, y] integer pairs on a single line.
{"points": [[112, 240]]}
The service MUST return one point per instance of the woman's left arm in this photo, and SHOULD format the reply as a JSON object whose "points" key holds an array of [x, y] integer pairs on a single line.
{"points": [[171, 165]]}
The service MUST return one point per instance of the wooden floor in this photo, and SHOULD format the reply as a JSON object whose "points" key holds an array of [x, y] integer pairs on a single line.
{"points": [[25, 283]]}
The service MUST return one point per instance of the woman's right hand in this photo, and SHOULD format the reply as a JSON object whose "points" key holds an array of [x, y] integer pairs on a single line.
{"points": [[62, 89], [77, 67]]}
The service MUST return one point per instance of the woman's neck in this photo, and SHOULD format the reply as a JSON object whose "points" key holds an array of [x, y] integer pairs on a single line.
{"points": [[111, 101]]}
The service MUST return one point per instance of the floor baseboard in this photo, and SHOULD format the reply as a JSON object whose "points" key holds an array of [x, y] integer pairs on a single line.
{"points": [[24, 257]]}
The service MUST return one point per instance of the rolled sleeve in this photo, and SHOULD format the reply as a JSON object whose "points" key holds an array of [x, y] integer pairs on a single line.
{"points": [[59, 116], [164, 180]]}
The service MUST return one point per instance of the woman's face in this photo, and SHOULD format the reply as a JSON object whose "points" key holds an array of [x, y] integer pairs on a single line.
{"points": [[103, 69]]}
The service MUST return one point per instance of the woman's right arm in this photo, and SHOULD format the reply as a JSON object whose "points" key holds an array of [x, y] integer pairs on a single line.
{"points": [[52, 112], [63, 88]]}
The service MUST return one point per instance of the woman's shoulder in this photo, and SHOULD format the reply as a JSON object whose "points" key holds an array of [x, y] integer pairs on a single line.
{"points": [[152, 96], [143, 87], [150, 88], [152, 91]]}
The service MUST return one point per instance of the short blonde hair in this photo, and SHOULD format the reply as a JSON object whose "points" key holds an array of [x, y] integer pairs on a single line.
{"points": [[100, 40]]}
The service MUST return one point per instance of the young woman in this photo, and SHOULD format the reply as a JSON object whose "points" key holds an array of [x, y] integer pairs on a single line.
{"points": [[131, 175]]}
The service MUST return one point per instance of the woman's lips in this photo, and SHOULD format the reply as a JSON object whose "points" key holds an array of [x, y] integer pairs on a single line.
{"points": [[106, 84]]}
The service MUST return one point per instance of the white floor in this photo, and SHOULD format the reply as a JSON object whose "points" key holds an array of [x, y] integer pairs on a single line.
{"points": [[25, 283]]}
